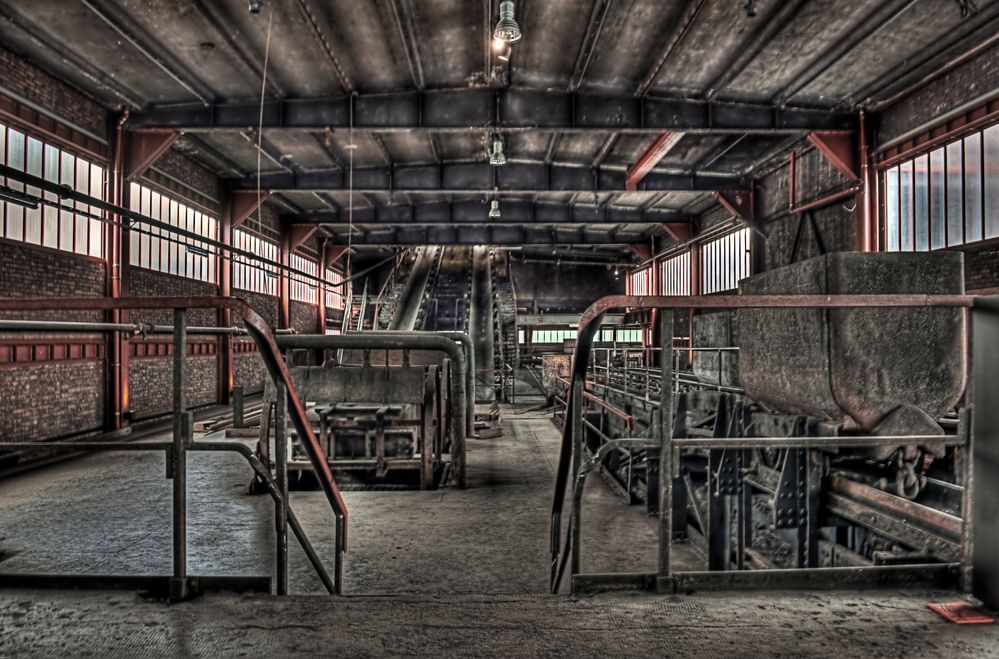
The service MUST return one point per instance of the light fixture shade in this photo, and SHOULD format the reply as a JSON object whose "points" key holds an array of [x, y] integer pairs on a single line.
{"points": [[494, 210], [507, 28], [496, 156]]}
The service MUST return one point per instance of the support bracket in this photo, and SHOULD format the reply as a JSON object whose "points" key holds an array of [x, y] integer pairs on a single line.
{"points": [[841, 149], [145, 148]]}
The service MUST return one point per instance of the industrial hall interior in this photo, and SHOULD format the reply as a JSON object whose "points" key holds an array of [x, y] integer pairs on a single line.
{"points": [[515, 328]]}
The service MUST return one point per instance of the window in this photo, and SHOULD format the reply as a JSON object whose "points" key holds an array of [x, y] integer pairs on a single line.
{"points": [[640, 282], [164, 251], [47, 225], [725, 262], [304, 289], [254, 276], [674, 273], [334, 292], [552, 336], [947, 197]]}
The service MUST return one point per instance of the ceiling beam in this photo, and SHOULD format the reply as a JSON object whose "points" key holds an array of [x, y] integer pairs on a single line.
{"points": [[480, 110], [476, 212], [651, 157], [481, 178], [486, 235]]}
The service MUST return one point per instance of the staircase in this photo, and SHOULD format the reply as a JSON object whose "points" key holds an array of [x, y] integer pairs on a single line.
{"points": [[507, 353]]}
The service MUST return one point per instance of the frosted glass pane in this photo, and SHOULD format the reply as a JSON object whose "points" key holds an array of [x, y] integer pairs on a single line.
{"points": [[905, 232], [938, 222], [991, 138], [891, 210], [973, 188], [955, 194], [922, 202]]}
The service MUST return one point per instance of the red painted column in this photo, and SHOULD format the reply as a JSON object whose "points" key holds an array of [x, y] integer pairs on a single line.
{"points": [[284, 282], [116, 254], [223, 270]]}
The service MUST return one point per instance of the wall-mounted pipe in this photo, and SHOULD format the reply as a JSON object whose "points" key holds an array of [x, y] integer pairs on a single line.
{"points": [[132, 328], [405, 341]]}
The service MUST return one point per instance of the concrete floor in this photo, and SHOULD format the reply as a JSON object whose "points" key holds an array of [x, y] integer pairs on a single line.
{"points": [[451, 572]]}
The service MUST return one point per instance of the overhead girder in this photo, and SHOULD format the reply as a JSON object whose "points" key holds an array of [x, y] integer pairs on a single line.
{"points": [[487, 235], [476, 212], [495, 110], [482, 178]]}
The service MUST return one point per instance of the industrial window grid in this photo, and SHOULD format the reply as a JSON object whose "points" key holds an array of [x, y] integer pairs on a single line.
{"points": [[256, 277], [49, 226], [334, 292], [640, 282], [620, 335], [552, 336], [946, 197], [725, 261], [303, 289], [626, 335], [674, 275], [158, 249]]}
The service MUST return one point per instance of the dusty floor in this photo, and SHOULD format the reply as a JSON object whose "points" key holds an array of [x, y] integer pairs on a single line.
{"points": [[449, 572]]}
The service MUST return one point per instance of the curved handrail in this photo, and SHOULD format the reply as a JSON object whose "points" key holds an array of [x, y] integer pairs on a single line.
{"points": [[262, 336], [589, 323]]}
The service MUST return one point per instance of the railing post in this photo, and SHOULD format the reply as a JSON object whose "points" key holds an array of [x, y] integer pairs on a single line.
{"points": [[238, 407], [182, 426], [666, 453], [281, 477]]}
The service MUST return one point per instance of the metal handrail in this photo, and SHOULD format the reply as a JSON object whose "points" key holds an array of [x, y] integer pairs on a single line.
{"points": [[268, 349], [589, 324]]}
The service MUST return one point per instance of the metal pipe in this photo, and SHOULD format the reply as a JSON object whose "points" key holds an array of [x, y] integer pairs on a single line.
{"points": [[379, 340]]}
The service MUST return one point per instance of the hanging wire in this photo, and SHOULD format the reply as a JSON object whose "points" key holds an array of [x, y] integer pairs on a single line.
{"points": [[260, 121]]}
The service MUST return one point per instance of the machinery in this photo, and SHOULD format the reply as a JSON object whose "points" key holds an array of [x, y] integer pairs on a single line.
{"points": [[870, 403], [376, 424], [391, 424]]}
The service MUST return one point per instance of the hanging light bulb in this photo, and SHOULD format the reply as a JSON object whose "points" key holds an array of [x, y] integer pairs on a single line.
{"points": [[507, 29], [494, 210], [502, 49], [496, 156]]}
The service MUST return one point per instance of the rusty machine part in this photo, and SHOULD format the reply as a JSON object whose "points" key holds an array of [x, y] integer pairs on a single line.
{"points": [[379, 421], [451, 402]]}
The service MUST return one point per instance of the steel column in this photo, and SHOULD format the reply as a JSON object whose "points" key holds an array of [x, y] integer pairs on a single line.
{"points": [[281, 477], [181, 429]]}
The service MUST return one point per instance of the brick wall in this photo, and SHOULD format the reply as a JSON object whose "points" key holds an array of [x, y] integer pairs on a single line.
{"points": [[981, 267], [978, 78], [151, 384], [184, 179], [265, 305], [43, 401], [55, 96], [304, 317], [149, 283], [29, 271], [249, 372], [563, 288]]}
